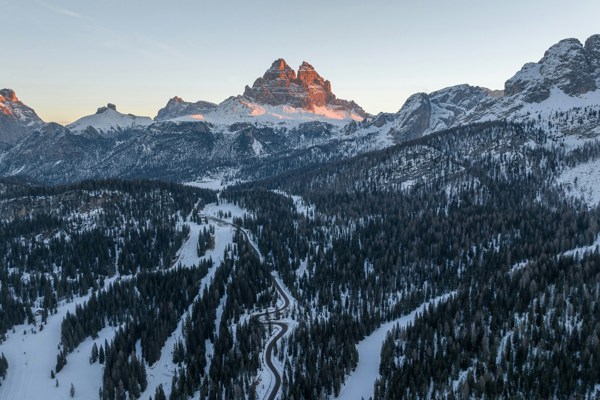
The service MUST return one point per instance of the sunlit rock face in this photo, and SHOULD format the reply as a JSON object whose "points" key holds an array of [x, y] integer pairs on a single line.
{"points": [[280, 85], [16, 119]]}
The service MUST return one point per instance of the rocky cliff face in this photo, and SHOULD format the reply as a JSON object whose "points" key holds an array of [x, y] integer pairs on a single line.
{"points": [[16, 119], [592, 47], [424, 113], [567, 65], [280, 85], [177, 107], [566, 78]]}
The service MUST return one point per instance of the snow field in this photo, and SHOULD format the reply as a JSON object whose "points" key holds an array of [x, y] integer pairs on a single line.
{"points": [[583, 181], [361, 382], [32, 356]]}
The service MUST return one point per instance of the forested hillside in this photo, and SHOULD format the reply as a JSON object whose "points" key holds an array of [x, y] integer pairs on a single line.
{"points": [[265, 289], [452, 212]]}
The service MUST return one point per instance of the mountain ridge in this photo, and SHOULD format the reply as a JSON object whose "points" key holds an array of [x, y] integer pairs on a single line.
{"points": [[287, 112]]}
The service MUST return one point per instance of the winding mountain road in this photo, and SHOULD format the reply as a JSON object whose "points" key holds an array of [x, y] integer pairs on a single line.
{"points": [[265, 316], [268, 353]]}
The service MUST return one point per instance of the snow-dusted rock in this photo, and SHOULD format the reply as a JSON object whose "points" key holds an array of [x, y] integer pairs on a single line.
{"points": [[177, 107], [108, 121], [16, 119]]}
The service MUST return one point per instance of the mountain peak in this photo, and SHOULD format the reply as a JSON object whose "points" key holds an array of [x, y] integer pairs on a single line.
{"points": [[280, 85], [109, 106], [16, 119], [567, 65], [305, 67], [107, 120], [592, 44], [279, 70], [8, 95]]}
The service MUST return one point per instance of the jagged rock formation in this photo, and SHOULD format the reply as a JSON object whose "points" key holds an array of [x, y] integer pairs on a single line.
{"points": [[281, 86], [567, 65], [177, 107], [566, 78], [16, 119]]}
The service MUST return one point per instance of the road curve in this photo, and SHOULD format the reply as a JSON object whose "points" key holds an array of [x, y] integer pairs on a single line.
{"points": [[269, 359], [283, 325], [284, 328]]}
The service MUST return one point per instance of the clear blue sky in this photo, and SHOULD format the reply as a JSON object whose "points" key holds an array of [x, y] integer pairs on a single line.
{"points": [[65, 58]]}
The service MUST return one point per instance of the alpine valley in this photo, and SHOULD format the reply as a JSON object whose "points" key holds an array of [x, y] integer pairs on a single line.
{"points": [[286, 244]]}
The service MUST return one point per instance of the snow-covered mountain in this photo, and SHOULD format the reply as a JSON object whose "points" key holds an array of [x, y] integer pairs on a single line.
{"points": [[279, 97], [177, 107], [16, 119], [108, 120], [290, 119], [280, 86], [565, 80]]}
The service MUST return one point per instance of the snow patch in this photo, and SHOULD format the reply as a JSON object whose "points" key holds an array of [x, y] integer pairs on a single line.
{"points": [[361, 382], [583, 181]]}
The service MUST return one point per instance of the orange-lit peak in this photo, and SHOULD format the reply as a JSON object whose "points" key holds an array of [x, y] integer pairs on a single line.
{"points": [[281, 64], [8, 95], [279, 70], [305, 67]]}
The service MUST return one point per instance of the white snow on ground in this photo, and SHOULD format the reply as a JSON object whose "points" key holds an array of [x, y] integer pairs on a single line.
{"points": [[213, 211], [361, 382], [579, 252], [583, 181], [518, 266], [213, 183], [559, 100], [257, 147], [187, 255], [302, 269], [32, 356]]}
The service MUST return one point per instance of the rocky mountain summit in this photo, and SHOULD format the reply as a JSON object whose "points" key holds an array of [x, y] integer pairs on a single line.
{"points": [[177, 107], [279, 97], [280, 85], [567, 65], [566, 79], [16, 119]]}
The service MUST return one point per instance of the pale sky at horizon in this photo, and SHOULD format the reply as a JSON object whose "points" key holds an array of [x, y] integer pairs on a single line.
{"points": [[66, 58]]}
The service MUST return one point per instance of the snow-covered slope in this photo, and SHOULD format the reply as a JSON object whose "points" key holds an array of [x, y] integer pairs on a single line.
{"points": [[108, 120], [241, 109], [565, 80]]}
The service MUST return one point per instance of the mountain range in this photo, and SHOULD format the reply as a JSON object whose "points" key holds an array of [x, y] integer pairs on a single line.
{"points": [[288, 115]]}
